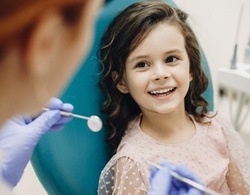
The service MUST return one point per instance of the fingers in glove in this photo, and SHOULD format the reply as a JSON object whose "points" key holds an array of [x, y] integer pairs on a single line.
{"points": [[67, 107], [164, 163], [63, 120], [61, 123], [168, 164], [55, 103], [45, 121], [185, 172], [153, 171], [57, 127], [161, 182]]}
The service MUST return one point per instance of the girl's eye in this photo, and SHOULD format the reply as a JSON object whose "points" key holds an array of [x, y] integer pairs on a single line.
{"points": [[141, 65], [171, 59]]}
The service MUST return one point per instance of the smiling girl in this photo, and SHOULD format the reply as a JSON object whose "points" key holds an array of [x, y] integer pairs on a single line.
{"points": [[153, 78]]}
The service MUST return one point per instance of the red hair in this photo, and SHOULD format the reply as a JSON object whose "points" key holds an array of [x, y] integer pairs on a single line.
{"points": [[18, 16]]}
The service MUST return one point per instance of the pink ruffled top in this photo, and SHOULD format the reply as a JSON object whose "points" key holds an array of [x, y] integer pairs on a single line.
{"points": [[216, 154]]}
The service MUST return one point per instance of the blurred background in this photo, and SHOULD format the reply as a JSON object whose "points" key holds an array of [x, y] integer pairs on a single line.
{"points": [[215, 23]]}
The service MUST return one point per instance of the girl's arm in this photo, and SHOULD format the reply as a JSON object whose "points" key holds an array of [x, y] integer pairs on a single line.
{"points": [[238, 176], [236, 179], [122, 177]]}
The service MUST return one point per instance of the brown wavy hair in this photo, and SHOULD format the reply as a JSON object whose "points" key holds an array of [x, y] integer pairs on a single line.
{"points": [[124, 34], [17, 17]]}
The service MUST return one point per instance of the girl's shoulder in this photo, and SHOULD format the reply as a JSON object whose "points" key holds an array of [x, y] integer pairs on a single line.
{"points": [[133, 137], [221, 121], [216, 125], [217, 120]]}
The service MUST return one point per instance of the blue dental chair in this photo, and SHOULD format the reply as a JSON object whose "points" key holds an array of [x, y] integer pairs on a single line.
{"points": [[69, 162]]}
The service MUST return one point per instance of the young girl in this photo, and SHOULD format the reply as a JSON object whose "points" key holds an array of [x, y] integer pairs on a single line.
{"points": [[154, 82]]}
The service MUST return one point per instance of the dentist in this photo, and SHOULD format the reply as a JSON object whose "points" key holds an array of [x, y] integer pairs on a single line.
{"points": [[42, 44]]}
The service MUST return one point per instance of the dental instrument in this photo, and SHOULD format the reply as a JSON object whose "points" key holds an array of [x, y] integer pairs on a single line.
{"points": [[247, 53], [234, 59], [187, 181], [94, 122]]}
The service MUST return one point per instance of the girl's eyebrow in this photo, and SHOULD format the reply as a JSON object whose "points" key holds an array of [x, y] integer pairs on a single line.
{"points": [[146, 56], [138, 58], [174, 51]]}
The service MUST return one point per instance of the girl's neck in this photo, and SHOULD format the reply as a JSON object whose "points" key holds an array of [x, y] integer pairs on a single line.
{"points": [[168, 128]]}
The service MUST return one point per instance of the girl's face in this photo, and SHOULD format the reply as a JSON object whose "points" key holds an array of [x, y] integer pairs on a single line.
{"points": [[157, 72]]}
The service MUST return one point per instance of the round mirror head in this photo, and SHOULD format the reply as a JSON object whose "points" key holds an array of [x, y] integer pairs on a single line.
{"points": [[94, 123]]}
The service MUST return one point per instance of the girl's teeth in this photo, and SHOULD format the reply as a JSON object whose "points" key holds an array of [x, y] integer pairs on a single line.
{"points": [[161, 91]]}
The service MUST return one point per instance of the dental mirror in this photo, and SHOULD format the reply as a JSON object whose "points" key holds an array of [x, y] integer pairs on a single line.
{"points": [[94, 122]]}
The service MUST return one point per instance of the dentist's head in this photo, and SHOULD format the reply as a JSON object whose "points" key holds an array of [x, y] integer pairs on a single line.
{"points": [[42, 43]]}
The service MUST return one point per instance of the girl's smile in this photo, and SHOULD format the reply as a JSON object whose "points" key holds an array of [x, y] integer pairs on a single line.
{"points": [[162, 93]]}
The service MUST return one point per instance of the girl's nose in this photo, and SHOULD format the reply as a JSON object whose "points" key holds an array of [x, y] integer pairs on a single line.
{"points": [[160, 73], [160, 77]]}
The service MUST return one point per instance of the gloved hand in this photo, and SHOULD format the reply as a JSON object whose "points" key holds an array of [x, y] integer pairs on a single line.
{"points": [[19, 136], [162, 183]]}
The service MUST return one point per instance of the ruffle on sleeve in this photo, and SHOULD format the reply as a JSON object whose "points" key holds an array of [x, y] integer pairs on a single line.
{"points": [[122, 175], [238, 176]]}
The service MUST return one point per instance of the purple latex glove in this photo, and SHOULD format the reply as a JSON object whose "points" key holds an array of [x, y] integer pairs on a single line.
{"points": [[20, 135], [162, 183]]}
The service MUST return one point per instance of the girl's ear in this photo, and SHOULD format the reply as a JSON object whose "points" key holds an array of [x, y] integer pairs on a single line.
{"points": [[190, 77], [121, 86]]}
